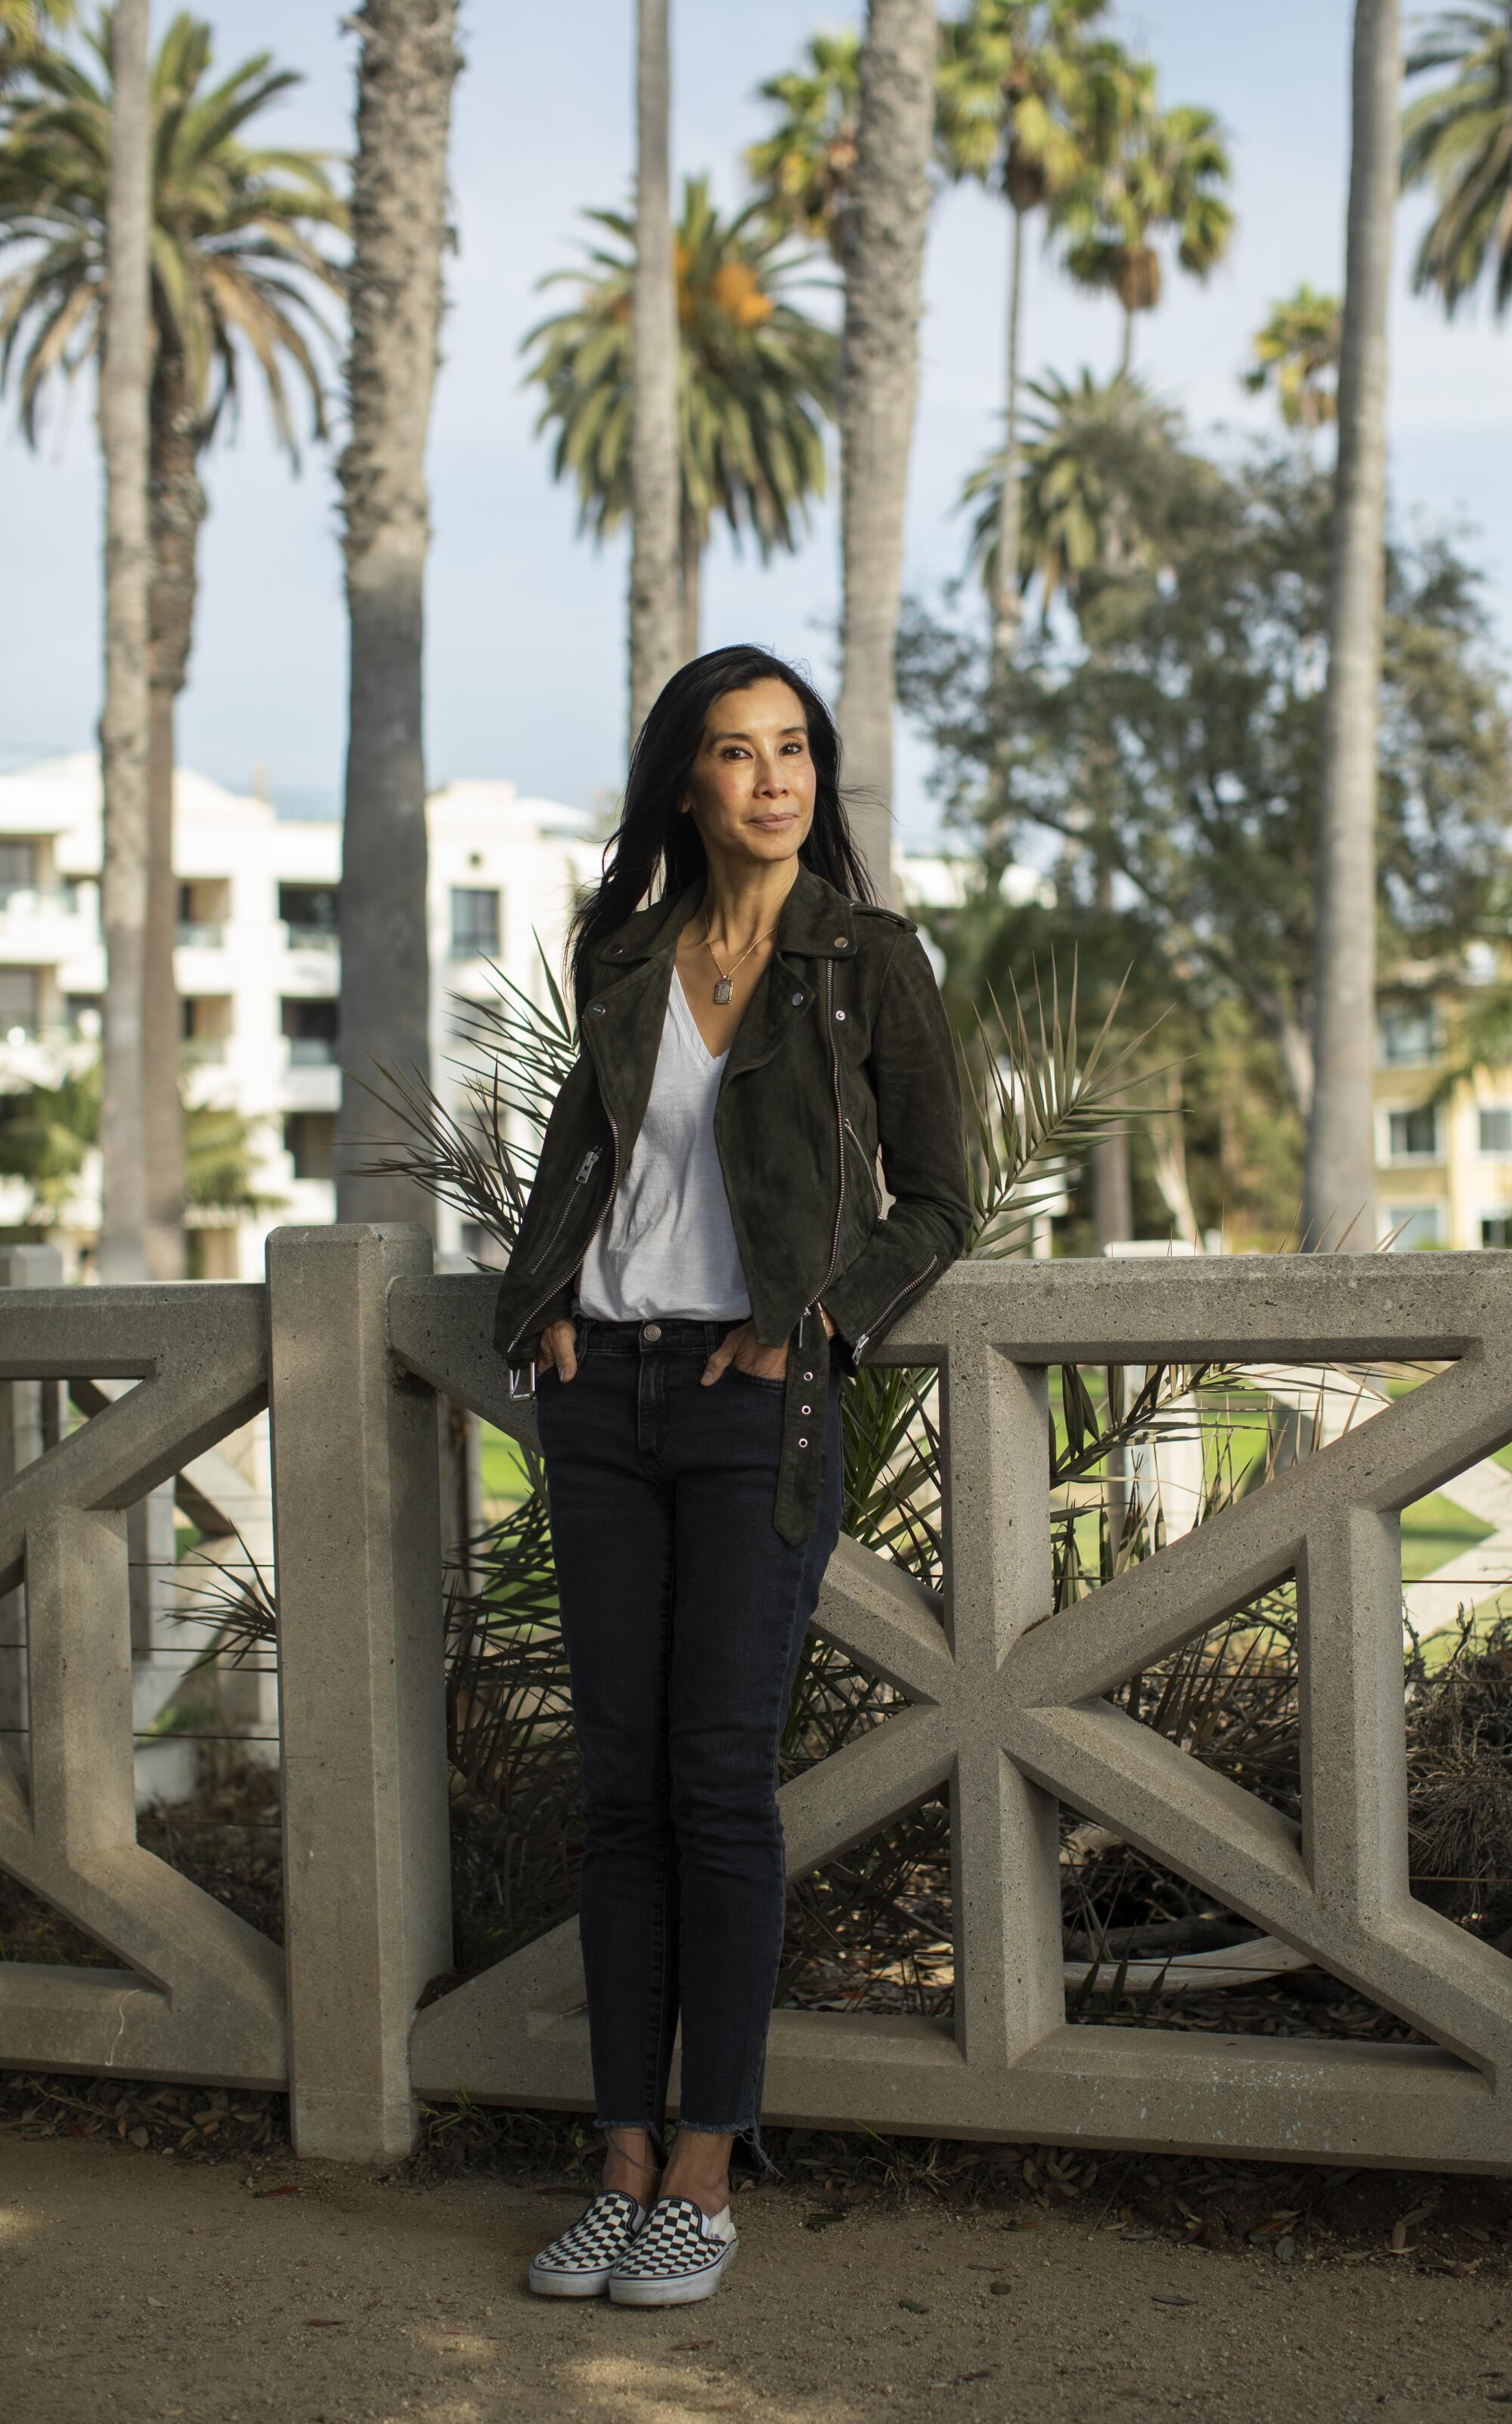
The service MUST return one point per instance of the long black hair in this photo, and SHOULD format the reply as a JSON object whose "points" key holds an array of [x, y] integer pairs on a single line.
{"points": [[656, 850]]}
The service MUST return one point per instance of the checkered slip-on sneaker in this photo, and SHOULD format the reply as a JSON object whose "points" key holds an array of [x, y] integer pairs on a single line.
{"points": [[579, 2264], [682, 2254]]}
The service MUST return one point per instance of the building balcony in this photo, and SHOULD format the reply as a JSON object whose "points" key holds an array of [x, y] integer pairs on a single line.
{"points": [[201, 933]]}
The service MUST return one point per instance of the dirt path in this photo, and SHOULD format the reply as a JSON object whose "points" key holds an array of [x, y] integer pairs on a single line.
{"points": [[134, 2287]]}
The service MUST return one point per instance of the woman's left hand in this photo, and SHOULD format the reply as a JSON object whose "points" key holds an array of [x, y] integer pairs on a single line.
{"points": [[742, 1348]]}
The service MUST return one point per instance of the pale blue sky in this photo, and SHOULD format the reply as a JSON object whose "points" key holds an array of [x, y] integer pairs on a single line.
{"points": [[526, 667]]}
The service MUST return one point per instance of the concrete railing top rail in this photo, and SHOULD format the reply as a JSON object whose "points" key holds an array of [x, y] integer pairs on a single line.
{"points": [[1006, 1710]]}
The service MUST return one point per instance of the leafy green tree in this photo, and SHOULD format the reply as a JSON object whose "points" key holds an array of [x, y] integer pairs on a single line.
{"points": [[1154, 176], [804, 169], [1166, 776], [236, 269], [1297, 356], [1015, 82], [756, 382], [1458, 140], [47, 1134]]}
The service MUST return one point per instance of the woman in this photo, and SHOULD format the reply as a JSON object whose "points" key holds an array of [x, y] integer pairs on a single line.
{"points": [[704, 1251]]}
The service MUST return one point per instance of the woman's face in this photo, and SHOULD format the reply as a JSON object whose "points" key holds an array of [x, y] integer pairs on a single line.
{"points": [[751, 786]]}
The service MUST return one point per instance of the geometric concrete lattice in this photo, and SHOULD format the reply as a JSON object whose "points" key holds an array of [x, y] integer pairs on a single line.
{"points": [[204, 1993], [1008, 1711]]}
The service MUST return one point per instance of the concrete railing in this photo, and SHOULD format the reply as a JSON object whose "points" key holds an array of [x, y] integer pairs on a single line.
{"points": [[1005, 1711]]}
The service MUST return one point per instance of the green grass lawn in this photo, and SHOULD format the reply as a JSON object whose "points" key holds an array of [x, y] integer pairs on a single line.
{"points": [[504, 1467]]}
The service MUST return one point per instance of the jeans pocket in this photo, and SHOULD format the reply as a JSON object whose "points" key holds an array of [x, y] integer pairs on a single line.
{"points": [[757, 1380]]}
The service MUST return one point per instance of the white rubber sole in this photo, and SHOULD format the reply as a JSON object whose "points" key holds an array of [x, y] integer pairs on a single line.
{"points": [[569, 2285], [673, 2293]]}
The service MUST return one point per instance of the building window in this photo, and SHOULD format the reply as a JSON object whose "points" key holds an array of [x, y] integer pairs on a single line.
{"points": [[1413, 1136], [310, 1029], [1411, 1225], [207, 1025], [18, 1005], [17, 866], [1496, 1129], [474, 924], [1496, 1229], [205, 907], [310, 911], [1408, 1031], [309, 1139], [81, 1015]]}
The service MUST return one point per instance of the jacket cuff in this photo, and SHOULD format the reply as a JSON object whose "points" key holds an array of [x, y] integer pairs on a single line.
{"points": [[556, 1308]]}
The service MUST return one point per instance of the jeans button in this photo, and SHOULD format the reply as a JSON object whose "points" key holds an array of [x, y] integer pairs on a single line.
{"points": [[651, 1332]]}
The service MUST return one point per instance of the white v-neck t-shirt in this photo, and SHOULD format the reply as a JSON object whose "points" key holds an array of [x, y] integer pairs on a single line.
{"points": [[666, 1246]]}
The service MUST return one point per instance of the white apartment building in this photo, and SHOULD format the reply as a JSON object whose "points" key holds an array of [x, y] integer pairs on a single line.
{"points": [[257, 967]]}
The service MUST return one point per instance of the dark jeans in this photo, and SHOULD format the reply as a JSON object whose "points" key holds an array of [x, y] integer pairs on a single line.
{"points": [[684, 1613]]}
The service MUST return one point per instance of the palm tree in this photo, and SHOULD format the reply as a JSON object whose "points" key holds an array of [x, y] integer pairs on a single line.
{"points": [[1011, 89], [655, 622], [1152, 174], [234, 269], [128, 1248], [1103, 477], [1457, 138], [1296, 353], [888, 214], [1338, 1202], [407, 63], [23, 25], [756, 381], [804, 169]]}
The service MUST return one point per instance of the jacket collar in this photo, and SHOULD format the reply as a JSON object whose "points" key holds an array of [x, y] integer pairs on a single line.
{"points": [[817, 922]]}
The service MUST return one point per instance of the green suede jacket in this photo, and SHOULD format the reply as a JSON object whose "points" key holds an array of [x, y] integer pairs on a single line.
{"points": [[843, 1051]]}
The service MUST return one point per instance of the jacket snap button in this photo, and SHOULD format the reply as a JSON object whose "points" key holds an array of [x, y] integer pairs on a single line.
{"points": [[597, 1009], [839, 942], [797, 1000], [839, 1013]]}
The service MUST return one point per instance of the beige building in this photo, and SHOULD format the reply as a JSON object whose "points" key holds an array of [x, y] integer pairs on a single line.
{"points": [[257, 967], [1444, 1152]]}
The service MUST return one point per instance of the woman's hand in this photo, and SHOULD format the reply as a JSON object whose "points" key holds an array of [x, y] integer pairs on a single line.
{"points": [[742, 1348], [557, 1349]]}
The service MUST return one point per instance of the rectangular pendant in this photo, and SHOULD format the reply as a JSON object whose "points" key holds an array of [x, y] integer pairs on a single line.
{"points": [[724, 989]]}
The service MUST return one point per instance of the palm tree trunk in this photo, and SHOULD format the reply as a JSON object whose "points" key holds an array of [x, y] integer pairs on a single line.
{"points": [[656, 613], [124, 738], [1339, 1198], [178, 510], [1126, 354], [888, 215], [406, 66], [690, 578], [1008, 604]]}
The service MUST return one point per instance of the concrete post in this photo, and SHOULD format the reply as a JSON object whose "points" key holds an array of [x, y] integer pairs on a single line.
{"points": [[31, 1420], [361, 1682]]}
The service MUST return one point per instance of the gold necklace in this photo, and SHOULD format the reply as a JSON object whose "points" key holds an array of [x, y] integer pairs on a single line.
{"points": [[724, 988]]}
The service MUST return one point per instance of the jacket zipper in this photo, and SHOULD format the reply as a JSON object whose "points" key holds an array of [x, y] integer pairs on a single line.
{"points": [[583, 1172], [588, 1161], [907, 1290], [840, 1125], [871, 1167]]}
